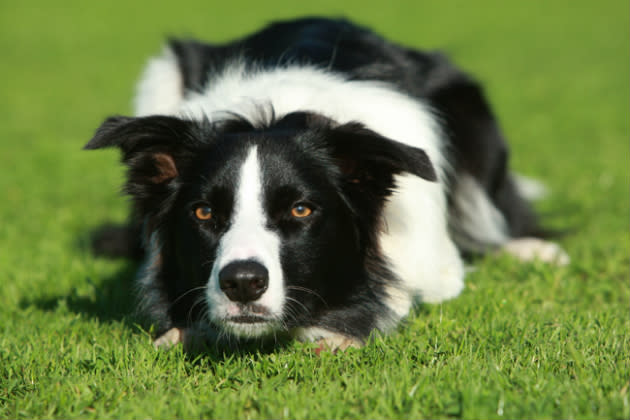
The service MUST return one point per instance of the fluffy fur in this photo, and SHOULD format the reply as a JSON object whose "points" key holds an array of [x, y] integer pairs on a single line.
{"points": [[311, 178]]}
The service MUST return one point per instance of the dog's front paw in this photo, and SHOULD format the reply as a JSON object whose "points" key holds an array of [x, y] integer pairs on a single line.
{"points": [[529, 249], [327, 340], [336, 344], [170, 338]]}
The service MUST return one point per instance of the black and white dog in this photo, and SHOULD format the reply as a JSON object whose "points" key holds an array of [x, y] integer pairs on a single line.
{"points": [[312, 178]]}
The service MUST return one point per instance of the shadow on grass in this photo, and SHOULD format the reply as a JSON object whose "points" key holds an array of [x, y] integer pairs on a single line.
{"points": [[113, 300], [225, 349]]}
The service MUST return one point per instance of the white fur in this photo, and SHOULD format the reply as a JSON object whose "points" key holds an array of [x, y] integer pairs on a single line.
{"points": [[328, 340], [169, 338], [298, 88], [530, 188], [161, 88], [248, 239], [416, 240], [529, 249], [417, 243]]}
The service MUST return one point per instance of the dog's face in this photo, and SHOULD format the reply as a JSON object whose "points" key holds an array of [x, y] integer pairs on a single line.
{"points": [[270, 228]]}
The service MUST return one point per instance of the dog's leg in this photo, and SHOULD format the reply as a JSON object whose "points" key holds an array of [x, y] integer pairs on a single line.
{"points": [[327, 340], [195, 338], [335, 343], [529, 249]]}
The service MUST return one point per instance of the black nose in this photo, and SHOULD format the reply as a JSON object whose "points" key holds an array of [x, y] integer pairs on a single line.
{"points": [[243, 281]]}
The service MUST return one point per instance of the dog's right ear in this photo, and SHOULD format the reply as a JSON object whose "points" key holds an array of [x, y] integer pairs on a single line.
{"points": [[152, 143], [154, 148]]}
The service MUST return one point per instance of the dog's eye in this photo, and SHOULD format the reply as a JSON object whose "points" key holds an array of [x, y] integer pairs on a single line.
{"points": [[203, 213], [301, 210]]}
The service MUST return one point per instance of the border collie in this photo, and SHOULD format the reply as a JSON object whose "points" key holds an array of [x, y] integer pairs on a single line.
{"points": [[311, 178]]}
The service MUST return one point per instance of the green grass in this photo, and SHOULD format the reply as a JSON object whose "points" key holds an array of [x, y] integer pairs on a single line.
{"points": [[522, 341]]}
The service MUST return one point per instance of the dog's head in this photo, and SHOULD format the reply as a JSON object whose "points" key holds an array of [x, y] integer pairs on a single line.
{"points": [[271, 226]]}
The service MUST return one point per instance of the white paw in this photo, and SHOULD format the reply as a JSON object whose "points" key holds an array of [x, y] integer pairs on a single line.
{"points": [[529, 249], [327, 340], [337, 343], [169, 339]]}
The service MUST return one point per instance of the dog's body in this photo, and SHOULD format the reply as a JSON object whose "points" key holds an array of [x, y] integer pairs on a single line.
{"points": [[312, 178]]}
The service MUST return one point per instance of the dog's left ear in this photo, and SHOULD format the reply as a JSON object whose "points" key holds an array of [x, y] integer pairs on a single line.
{"points": [[368, 159]]}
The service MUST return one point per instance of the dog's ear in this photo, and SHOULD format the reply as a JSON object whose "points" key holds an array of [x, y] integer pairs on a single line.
{"points": [[368, 163], [151, 146], [154, 149], [370, 160]]}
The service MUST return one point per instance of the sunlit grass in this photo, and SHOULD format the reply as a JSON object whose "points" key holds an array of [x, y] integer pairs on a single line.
{"points": [[523, 340]]}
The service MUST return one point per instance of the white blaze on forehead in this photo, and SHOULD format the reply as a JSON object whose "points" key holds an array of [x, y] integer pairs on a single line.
{"points": [[248, 238]]}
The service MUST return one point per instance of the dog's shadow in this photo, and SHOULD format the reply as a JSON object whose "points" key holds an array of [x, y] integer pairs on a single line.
{"points": [[112, 300]]}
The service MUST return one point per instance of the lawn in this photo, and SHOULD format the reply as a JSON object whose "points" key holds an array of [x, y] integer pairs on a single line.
{"points": [[522, 341]]}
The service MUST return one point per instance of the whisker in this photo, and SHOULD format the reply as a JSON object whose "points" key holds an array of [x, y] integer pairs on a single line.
{"points": [[307, 290], [194, 289], [292, 313], [200, 299], [299, 303]]}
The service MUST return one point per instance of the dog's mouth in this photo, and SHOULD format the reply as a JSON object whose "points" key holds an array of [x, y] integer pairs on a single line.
{"points": [[250, 320]]}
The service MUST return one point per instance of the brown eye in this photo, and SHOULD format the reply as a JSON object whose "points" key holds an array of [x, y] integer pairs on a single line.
{"points": [[203, 213], [301, 210]]}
